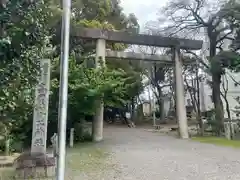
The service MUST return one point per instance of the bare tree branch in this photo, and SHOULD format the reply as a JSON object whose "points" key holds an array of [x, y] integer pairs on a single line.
{"points": [[225, 36], [198, 59], [233, 79], [224, 94]]}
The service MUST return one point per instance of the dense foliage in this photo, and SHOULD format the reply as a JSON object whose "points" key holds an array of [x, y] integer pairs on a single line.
{"points": [[29, 35], [24, 40]]}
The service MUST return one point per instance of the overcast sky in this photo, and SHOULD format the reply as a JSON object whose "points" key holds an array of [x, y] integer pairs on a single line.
{"points": [[145, 10]]}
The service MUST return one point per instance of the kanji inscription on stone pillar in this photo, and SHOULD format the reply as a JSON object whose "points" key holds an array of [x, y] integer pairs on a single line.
{"points": [[40, 114]]}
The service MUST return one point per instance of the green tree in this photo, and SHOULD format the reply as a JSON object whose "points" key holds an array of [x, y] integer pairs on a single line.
{"points": [[190, 17], [115, 86], [24, 38], [101, 14]]}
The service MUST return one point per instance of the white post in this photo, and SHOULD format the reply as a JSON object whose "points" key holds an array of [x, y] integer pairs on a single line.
{"points": [[71, 137], [40, 114], [7, 146], [180, 101], [97, 129]]}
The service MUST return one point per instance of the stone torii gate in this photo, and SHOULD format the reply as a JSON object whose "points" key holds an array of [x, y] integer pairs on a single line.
{"points": [[101, 36]]}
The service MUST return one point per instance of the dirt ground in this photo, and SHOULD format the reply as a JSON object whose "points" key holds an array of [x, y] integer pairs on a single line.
{"points": [[141, 154]]}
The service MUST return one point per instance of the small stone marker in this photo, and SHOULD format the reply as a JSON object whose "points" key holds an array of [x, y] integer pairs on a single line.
{"points": [[71, 137], [40, 115], [129, 122], [128, 115], [229, 128], [54, 141]]}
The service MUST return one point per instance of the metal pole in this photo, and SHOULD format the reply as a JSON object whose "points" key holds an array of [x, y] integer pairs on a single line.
{"points": [[63, 90]]}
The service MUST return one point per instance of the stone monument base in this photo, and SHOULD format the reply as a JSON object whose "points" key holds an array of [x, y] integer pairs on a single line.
{"points": [[37, 172], [34, 165]]}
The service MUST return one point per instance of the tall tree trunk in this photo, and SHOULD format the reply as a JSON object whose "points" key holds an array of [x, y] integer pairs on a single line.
{"points": [[224, 94], [227, 108], [219, 115], [216, 71], [160, 101], [189, 89], [229, 118], [2, 26], [172, 99], [132, 108], [199, 117]]}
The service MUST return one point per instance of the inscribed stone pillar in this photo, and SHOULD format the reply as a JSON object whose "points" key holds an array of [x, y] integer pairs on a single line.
{"points": [[97, 128], [181, 114], [40, 114]]}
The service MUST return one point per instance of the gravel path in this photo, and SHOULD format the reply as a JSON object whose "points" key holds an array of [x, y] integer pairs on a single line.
{"points": [[142, 155]]}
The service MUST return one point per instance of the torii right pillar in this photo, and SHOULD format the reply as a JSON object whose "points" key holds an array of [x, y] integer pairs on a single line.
{"points": [[181, 113]]}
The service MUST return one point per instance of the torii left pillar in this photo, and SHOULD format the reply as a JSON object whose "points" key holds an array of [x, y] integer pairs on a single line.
{"points": [[97, 128]]}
